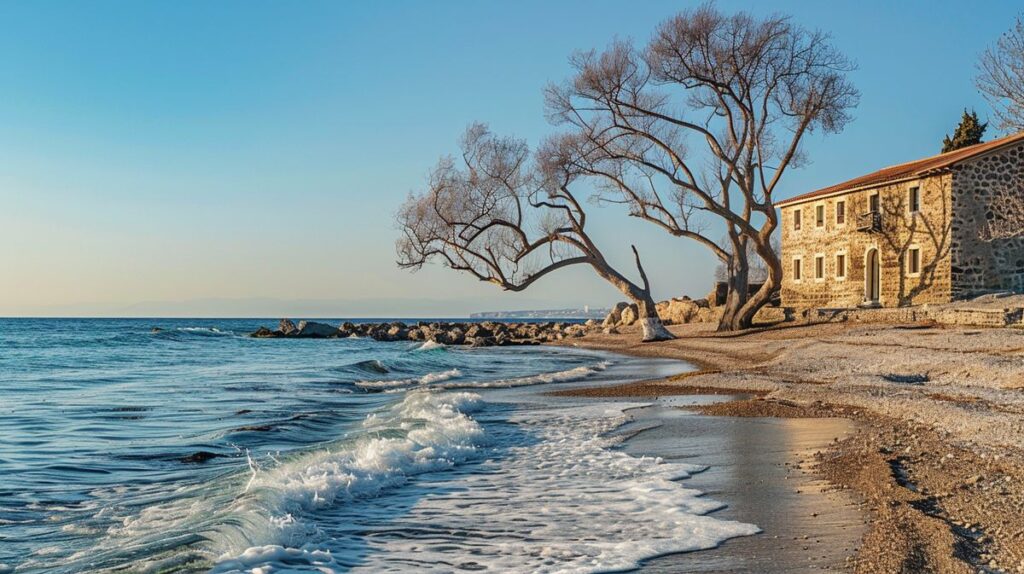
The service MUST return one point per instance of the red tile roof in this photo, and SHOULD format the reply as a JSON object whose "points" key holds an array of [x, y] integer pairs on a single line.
{"points": [[908, 170]]}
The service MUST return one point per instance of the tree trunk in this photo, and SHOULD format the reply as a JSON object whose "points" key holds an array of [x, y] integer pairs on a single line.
{"points": [[650, 322], [736, 298], [744, 316]]}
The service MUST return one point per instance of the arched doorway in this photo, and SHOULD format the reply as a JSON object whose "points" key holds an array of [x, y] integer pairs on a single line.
{"points": [[872, 276]]}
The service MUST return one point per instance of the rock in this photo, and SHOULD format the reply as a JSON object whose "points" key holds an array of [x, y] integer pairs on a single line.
{"points": [[678, 311], [591, 324], [710, 315], [478, 331], [615, 315], [456, 336], [286, 327], [479, 341], [200, 456], [630, 315], [314, 330], [263, 333], [611, 330]]}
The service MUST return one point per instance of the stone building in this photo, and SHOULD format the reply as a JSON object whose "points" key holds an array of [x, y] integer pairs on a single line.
{"points": [[908, 234]]}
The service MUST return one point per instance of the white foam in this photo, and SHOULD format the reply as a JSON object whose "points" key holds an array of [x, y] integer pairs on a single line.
{"points": [[430, 345], [574, 374], [273, 558], [553, 495], [426, 379], [204, 330]]}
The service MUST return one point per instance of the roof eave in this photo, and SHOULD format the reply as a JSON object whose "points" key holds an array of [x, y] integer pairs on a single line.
{"points": [[913, 176]]}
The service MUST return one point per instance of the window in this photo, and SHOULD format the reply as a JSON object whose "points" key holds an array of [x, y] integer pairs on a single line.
{"points": [[873, 203], [797, 269], [840, 212], [914, 261], [819, 267], [797, 219], [914, 199], [819, 216], [841, 266]]}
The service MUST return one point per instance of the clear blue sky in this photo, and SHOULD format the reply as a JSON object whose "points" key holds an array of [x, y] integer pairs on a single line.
{"points": [[245, 158]]}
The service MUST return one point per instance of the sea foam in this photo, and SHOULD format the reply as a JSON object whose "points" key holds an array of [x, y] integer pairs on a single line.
{"points": [[547, 493]]}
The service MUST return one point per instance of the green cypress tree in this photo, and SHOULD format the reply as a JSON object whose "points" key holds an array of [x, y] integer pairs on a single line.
{"points": [[968, 133]]}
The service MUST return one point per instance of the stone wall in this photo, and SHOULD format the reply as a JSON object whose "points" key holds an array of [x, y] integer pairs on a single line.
{"points": [[928, 230], [978, 265]]}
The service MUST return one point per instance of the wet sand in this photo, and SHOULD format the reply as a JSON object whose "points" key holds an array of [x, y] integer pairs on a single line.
{"points": [[935, 460], [759, 468]]}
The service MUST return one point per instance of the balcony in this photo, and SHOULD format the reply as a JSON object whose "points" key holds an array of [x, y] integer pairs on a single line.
{"points": [[870, 222]]}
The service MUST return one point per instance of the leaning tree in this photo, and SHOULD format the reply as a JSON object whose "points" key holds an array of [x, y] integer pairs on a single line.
{"points": [[695, 131], [509, 219]]}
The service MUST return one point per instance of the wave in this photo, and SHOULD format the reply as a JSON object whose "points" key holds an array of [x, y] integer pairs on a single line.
{"points": [[574, 374], [182, 332], [426, 379], [564, 500], [370, 366], [430, 346], [426, 432]]}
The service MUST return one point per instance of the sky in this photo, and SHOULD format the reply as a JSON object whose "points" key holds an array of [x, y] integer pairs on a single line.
{"points": [[245, 158]]}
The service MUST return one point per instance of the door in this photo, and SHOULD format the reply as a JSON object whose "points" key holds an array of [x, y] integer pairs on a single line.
{"points": [[872, 276]]}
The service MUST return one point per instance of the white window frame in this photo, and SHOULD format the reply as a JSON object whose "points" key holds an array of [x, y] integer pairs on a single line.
{"points": [[846, 265], [824, 267], [910, 204], [824, 215], [909, 259], [846, 213], [798, 219], [798, 262]]}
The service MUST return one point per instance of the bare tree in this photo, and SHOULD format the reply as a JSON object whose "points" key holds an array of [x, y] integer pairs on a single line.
{"points": [[1001, 78], [744, 90], [509, 219], [1007, 208], [758, 271]]}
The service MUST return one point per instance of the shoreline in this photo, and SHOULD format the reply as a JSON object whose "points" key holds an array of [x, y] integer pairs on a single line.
{"points": [[937, 493], [758, 468]]}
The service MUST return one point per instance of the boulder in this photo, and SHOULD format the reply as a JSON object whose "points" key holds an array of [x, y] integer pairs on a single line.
{"points": [[314, 330], [479, 341], [286, 327], [263, 333], [678, 311], [630, 315], [615, 315], [710, 315], [478, 331]]}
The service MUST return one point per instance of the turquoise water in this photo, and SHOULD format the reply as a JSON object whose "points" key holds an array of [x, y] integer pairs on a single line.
{"points": [[196, 448]]}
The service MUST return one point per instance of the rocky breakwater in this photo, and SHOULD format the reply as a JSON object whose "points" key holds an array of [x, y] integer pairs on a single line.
{"points": [[483, 334]]}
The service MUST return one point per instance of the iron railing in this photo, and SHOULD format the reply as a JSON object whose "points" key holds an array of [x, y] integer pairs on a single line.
{"points": [[870, 222]]}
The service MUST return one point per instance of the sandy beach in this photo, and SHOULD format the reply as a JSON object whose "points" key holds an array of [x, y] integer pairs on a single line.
{"points": [[932, 459]]}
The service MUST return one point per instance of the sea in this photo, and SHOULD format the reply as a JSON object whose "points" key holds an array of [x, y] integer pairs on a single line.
{"points": [[183, 445]]}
